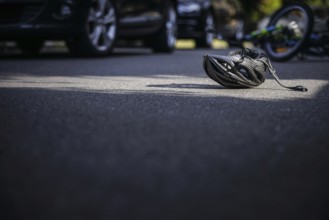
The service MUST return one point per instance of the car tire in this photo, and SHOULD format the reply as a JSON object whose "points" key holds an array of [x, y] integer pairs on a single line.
{"points": [[165, 39], [30, 46], [205, 41], [100, 31]]}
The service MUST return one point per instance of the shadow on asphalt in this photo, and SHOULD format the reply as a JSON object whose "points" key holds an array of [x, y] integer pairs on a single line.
{"points": [[187, 86], [206, 86]]}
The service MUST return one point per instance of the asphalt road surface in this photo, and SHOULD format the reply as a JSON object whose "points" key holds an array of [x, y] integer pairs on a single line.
{"points": [[143, 136]]}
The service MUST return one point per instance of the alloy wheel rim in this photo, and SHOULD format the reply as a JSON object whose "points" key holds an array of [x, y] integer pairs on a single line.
{"points": [[209, 26], [101, 24], [171, 28]]}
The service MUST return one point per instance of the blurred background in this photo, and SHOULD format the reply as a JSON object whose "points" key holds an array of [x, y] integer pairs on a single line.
{"points": [[246, 16], [21, 30]]}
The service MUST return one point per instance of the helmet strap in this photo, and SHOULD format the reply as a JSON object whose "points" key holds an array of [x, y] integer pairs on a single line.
{"points": [[273, 73]]}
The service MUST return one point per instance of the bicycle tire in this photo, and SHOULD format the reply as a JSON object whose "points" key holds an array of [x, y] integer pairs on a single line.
{"points": [[267, 45]]}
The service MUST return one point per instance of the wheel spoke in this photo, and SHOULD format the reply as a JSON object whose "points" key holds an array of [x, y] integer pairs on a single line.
{"points": [[92, 16], [96, 34], [111, 31], [105, 36], [170, 26], [102, 6], [110, 17], [209, 26]]}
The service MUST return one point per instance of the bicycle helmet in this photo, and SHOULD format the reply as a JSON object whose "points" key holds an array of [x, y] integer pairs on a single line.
{"points": [[241, 69]]}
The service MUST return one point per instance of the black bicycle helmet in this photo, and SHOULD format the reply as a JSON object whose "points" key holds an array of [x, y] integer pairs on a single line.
{"points": [[241, 69]]}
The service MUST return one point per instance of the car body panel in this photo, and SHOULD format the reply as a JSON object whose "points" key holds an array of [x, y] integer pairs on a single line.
{"points": [[62, 19], [139, 17]]}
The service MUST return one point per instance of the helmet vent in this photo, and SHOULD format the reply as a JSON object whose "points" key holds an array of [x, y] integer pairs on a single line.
{"points": [[244, 72]]}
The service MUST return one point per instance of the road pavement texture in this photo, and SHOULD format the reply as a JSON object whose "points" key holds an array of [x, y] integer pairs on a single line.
{"points": [[143, 136]]}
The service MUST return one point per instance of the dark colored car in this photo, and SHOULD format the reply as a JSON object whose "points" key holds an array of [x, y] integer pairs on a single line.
{"points": [[196, 16], [89, 27]]}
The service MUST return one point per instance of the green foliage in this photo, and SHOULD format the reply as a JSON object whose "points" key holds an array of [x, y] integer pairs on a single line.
{"points": [[318, 3], [256, 9], [269, 6]]}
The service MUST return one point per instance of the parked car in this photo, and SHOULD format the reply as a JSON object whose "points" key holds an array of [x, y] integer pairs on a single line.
{"points": [[196, 16], [89, 27]]}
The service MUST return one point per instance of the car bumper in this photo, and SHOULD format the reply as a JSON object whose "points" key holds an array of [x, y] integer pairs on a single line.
{"points": [[49, 31], [48, 19]]}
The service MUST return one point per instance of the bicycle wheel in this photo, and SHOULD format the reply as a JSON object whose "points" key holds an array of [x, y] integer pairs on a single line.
{"points": [[292, 26]]}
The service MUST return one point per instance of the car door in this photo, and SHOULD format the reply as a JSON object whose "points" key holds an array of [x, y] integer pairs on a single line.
{"points": [[139, 16]]}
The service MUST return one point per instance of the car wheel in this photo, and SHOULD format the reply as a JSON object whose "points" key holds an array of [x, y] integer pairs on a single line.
{"points": [[100, 31], [30, 46], [207, 38], [165, 39]]}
